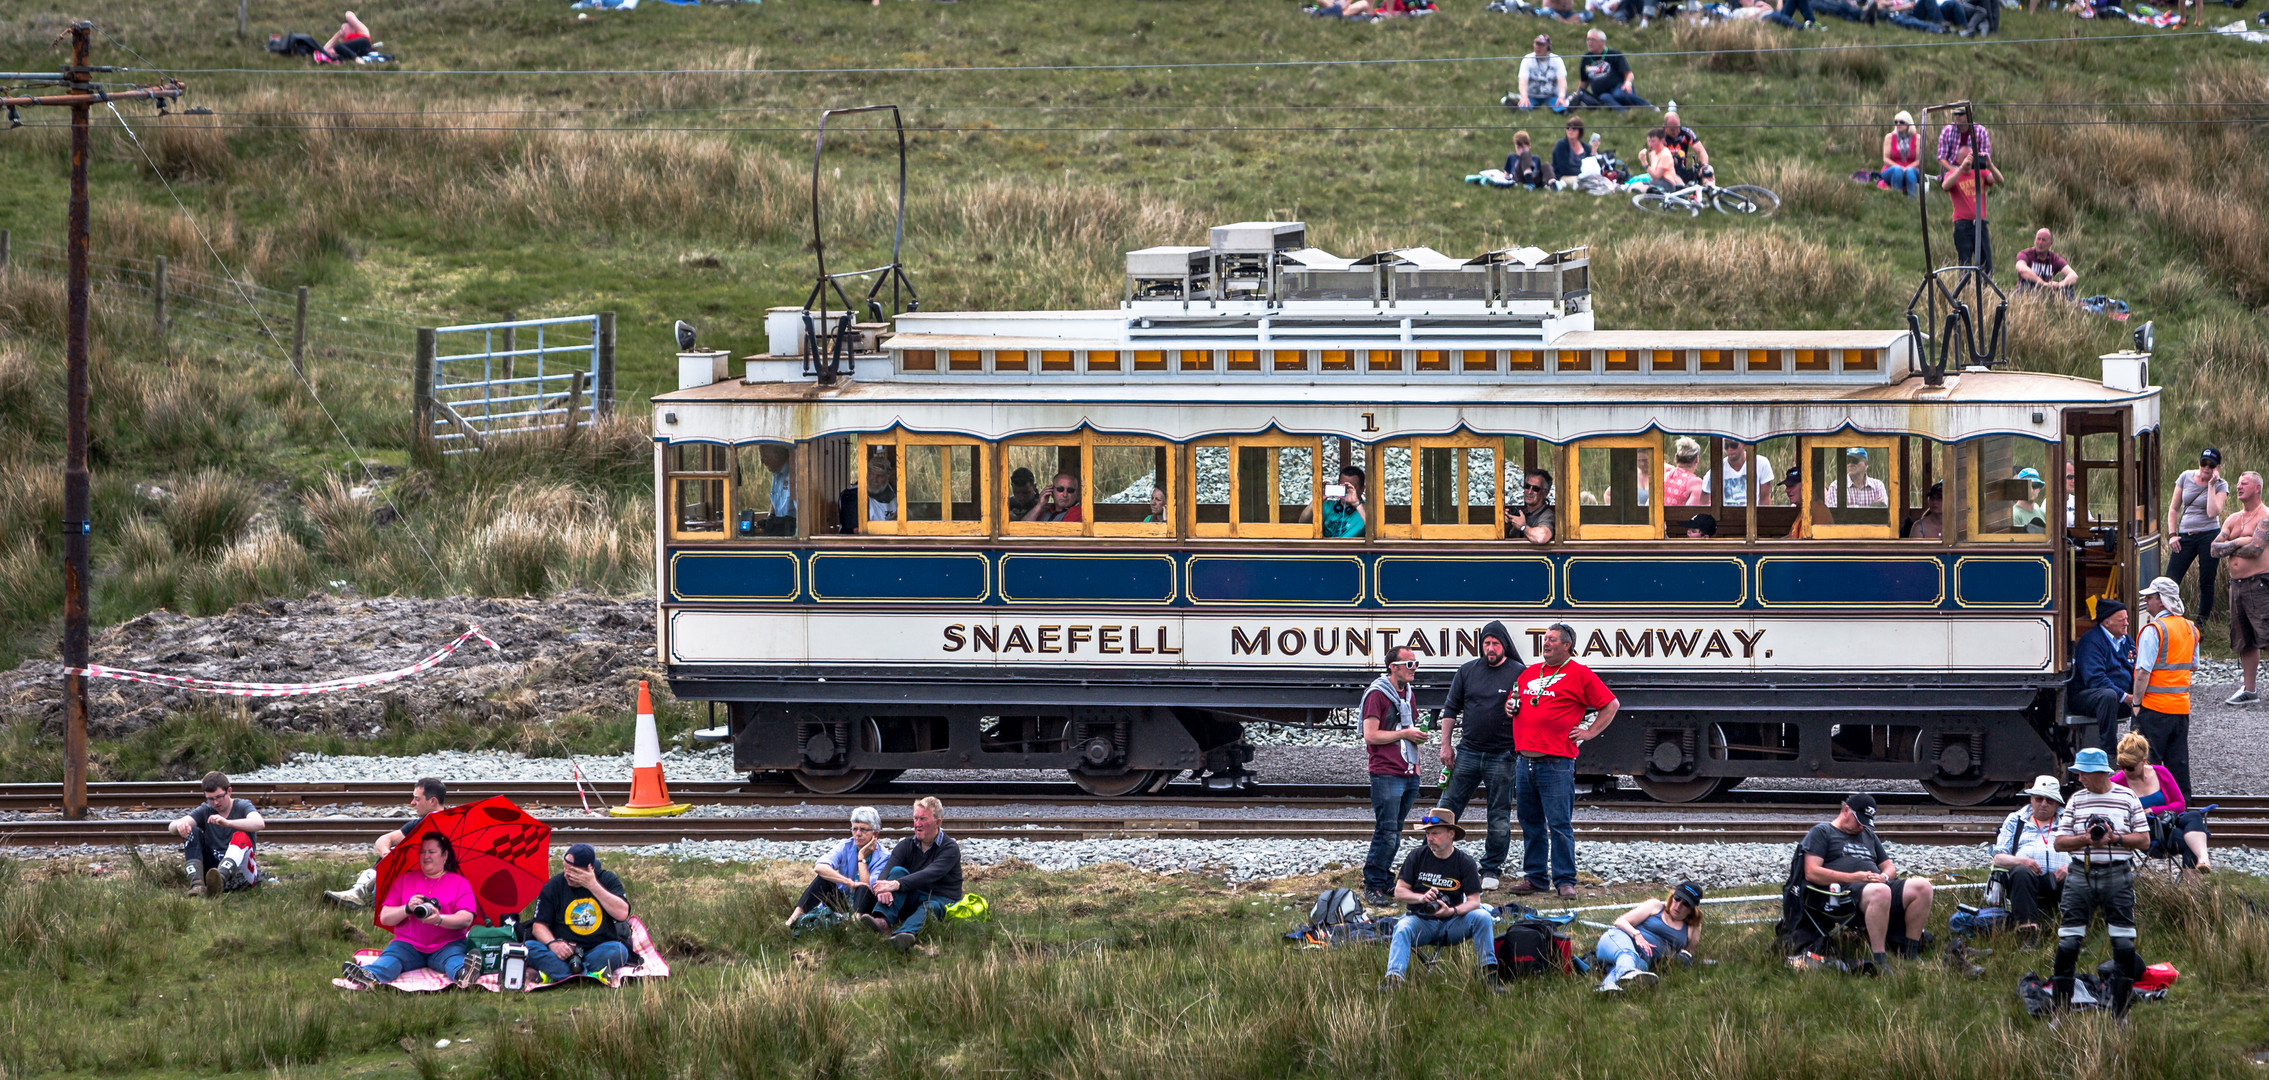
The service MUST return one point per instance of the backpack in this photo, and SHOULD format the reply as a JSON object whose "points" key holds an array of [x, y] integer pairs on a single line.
{"points": [[1337, 918], [1533, 945], [1968, 921]]}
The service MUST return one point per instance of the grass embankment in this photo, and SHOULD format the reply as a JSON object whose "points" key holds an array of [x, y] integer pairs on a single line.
{"points": [[684, 195], [1091, 974]]}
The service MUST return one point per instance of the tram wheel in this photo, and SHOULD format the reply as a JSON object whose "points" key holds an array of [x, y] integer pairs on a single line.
{"points": [[844, 783], [1970, 794], [1113, 785], [1680, 791]]}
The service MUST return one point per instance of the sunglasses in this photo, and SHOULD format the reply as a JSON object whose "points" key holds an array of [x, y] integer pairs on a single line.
{"points": [[1532, 487], [1411, 664], [1433, 819], [1067, 490]]}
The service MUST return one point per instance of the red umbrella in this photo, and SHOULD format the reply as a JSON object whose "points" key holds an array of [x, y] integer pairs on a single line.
{"points": [[500, 849]]}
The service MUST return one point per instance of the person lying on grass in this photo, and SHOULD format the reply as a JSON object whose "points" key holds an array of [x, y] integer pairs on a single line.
{"points": [[429, 912], [1649, 934], [582, 923]]}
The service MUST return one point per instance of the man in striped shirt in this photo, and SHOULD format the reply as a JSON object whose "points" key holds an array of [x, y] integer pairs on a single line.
{"points": [[2103, 825]]}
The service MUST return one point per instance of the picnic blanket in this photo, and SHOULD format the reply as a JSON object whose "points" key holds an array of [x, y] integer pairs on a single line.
{"points": [[650, 965]]}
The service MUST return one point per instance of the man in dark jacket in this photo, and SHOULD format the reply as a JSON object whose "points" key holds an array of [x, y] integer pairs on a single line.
{"points": [[1484, 755], [1606, 77], [2103, 663], [1569, 153], [925, 877]]}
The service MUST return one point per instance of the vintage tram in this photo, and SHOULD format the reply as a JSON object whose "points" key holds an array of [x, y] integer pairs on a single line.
{"points": [[1106, 541]]}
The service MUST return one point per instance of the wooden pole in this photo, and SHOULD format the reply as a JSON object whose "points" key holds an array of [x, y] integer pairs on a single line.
{"points": [[510, 339], [3, 250], [299, 333], [603, 373], [243, 15], [157, 300], [421, 392], [77, 501]]}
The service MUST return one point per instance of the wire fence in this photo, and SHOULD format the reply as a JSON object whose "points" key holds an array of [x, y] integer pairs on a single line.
{"points": [[245, 320]]}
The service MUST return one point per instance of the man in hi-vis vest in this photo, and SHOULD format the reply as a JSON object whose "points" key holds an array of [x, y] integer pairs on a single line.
{"points": [[2166, 652]]}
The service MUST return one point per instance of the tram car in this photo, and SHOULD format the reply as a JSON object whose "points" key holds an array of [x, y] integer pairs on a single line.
{"points": [[1106, 541]]}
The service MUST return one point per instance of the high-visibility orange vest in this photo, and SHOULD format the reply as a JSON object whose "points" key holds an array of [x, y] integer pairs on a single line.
{"points": [[2169, 688]]}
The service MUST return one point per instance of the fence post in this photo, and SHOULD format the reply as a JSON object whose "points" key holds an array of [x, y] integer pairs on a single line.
{"points": [[3, 250], [421, 393], [603, 371], [243, 13], [157, 299], [299, 334], [574, 405], [511, 336]]}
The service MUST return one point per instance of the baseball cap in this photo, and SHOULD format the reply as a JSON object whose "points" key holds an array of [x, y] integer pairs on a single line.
{"points": [[1859, 452], [2091, 760], [2029, 473], [2210, 456], [1689, 892], [583, 856], [1542, 39], [1792, 475], [1863, 805]]}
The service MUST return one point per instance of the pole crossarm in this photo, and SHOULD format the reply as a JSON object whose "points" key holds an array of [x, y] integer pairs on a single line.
{"points": [[171, 90]]}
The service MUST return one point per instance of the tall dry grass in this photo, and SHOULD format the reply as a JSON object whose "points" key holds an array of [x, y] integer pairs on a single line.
{"points": [[1745, 279]]}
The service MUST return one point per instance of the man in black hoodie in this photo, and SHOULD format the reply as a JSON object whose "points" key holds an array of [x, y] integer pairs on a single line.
{"points": [[1484, 756]]}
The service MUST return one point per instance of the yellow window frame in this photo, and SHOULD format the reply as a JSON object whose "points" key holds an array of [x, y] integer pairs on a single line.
{"points": [[1972, 467], [1171, 481], [1017, 527], [1417, 530], [1879, 448], [1293, 530], [1570, 512], [723, 477], [981, 525]]}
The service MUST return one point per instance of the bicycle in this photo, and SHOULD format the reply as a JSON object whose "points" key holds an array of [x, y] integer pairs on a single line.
{"points": [[1738, 200]]}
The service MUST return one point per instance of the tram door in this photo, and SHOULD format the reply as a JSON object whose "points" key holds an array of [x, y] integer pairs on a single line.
{"points": [[2107, 512]]}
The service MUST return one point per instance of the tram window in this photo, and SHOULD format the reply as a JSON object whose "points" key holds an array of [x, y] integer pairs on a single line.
{"points": [[1343, 450], [1049, 464], [1855, 479], [1705, 474], [1209, 476], [2009, 494], [1443, 487], [1614, 483], [1133, 487], [1777, 507], [1272, 483], [942, 483], [831, 497], [921, 485], [1922, 488], [1393, 482], [698, 475], [764, 499], [2092, 479]]}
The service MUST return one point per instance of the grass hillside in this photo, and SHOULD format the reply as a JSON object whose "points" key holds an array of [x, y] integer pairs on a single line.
{"points": [[672, 193]]}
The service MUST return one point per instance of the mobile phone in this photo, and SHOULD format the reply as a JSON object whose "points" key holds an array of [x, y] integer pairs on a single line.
{"points": [[1335, 491]]}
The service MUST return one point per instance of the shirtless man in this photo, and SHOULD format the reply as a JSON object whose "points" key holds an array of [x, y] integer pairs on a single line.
{"points": [[1661, 163], [2244, 540]]}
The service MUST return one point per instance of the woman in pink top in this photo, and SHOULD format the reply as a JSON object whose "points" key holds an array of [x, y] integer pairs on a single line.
{"points": [[429, 912], [1681, 485], [2161, 795], [1902, 156]]}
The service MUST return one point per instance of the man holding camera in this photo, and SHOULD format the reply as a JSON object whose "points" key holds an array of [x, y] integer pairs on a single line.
{"points": [[2104, 822], [1343, 506], [1441, 885], [582, 922]]}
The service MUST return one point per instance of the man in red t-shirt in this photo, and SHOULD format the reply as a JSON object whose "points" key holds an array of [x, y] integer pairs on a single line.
{"points": [[1548, 732], [1965, 188], [1390, 741]]}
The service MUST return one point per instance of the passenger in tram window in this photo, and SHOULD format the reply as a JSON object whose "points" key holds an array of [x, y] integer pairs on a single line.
{"points": [[1060, 502], [1681, 485], [1533, 519], [780, 518], [1023, 494], [1343, 506], [1931, 523], [1736, 474], [2071, 494], [1865, 490], [1157, 506], [882, 486], [2026, 515], [1701, 527], [1792, 490]]}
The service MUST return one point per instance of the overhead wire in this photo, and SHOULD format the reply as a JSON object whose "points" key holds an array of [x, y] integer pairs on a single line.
{"points": [[1189, 107]]}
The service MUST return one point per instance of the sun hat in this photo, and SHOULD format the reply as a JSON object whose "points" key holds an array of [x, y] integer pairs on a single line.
{"points": [[2169, 593], [2091, 760], [2046, 787], [1441, 817], [2029, 473]]}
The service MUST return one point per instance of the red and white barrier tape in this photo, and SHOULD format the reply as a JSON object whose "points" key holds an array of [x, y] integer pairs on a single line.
{"points": [[249, 689]]}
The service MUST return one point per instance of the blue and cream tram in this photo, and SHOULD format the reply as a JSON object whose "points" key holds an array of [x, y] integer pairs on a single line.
{"points": [[1097, 540]]}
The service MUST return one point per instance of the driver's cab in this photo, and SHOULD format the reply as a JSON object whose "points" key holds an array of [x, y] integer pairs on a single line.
{"points": [[2108, 509]]}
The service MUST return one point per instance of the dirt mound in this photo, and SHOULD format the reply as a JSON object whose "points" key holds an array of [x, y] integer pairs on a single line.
{"points": [[561, 654]]}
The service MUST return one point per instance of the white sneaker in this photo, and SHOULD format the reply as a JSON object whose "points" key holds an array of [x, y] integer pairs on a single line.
{"points": [[1489, 884], [1610, 986], [2243, 697], [1641, 980], [357, 894]]}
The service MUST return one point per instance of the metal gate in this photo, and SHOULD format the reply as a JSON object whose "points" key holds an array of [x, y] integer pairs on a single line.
{"points": [[482, 380]]}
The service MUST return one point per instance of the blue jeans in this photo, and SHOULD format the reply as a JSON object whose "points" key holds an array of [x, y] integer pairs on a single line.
{"points": [[1493, 769], [401, 956], [1618, 954], [1411, 931], [908, 909], [602, 959], [1546, 790], [1905, 179], [1391, 800]]}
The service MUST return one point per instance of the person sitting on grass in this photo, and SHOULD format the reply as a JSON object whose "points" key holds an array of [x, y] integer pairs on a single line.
{"points": [[582, 923], [1902, 156], [1543, 79], [350, 42], [1442, 886], [1569, 153], [2025, 851], [844, 880], [924, 877], [429, 912], [218, 852], [426, 797], [2162, 798], [1524, 166], [1648, 934], [2040, 267]]}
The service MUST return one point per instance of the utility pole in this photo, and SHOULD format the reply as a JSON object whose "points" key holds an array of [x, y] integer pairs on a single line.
{"points": [[82, 96]]}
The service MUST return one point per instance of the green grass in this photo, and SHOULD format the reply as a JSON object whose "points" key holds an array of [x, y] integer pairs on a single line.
{"points": [[1099, 973]]}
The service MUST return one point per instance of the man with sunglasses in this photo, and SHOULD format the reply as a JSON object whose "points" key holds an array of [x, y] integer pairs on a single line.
{"points": [[1549, 730], [1533, 519], [1390, 741], [1059, 501]]}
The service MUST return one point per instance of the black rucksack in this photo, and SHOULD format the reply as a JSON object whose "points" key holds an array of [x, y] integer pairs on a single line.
{"points": [[1530, 946]]}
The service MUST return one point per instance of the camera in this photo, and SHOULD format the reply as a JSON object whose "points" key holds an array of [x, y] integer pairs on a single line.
{"points": [[420, 908], [2099, 829], [1335, 491]]}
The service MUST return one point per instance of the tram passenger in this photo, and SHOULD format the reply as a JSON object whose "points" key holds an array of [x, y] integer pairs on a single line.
{"points": [[582, 920], [1484, 752], [1532, 520], [1023, 493], [2185, 828], [1549, 730], [844, 879], [1441, 886], [1390, 738], [1846, 853], [1735, 472], [1059, 501], [2166, 652], [1700, 527], [779, 459], [1647, 935], [923, 880], [1343, 512], [218, 851], [2024, 851], [2103, 666], [426, 796], [882, 494], [1931, 523], [1681, 485], [2027, 514], [1865, 490], [1157, 506]]}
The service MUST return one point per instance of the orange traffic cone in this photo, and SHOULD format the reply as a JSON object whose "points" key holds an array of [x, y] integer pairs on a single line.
{"points": [[649, 794]]}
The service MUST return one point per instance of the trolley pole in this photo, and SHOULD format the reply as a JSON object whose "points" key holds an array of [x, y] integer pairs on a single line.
{"points": [[81, 97]]}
